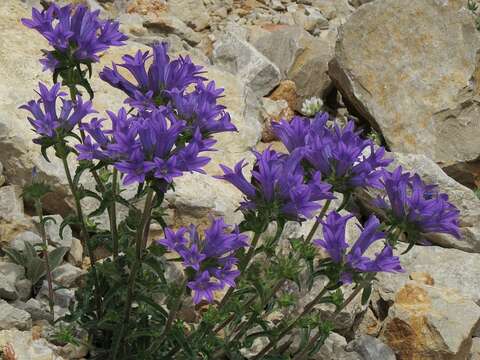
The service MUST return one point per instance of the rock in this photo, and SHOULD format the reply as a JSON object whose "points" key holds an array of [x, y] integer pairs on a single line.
{"points": [[191, 12], [18, 243], [367, 323], [462, 197], [66, 274], [11, 203], [312, 63], [25, 347], [52, 229], [24, 289], [2, 177], [448, 268], [273, 111], [62, 297], [358, 3], [35, 308], [370, 348], [75, 255], [238, 57], [428, 95], [7, 289], [10, 274], [311, 20], [428, 322], [280, 44], [286, 90], [168, 24], [145, 7], [71, 351], [334, 348], [475, 350], [11, 228], [12, 317]]}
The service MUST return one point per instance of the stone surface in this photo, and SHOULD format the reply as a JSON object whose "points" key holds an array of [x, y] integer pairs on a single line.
{"points": [[10, 275], [24, 289], [75, 254], [334, 348], [19, 241], [25, 347], [240, 58], [12, 317], [273, 111], [475, 350], [164, 24], [370, 348], [67, 274], [430, 323], [11, 203], [191, 12], [410, 68]]}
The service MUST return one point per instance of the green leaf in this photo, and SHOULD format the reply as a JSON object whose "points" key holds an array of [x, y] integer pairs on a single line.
{"points": [[36, 270], [367, 291], [55, 257], [69, 220], [16, 256]]}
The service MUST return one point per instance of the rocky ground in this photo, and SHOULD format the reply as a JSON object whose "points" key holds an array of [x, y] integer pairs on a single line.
{"points": [[408, 71]]}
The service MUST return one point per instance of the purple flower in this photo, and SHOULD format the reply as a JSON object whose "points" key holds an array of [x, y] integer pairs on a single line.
{"points": [[153, 86], [203, 287], [46, 121], [278, 186], [417, 207], [75, 33], [211, 257], [354, 261], [337, 153]]}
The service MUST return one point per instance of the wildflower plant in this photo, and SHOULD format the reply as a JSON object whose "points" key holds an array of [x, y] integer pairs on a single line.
{"points": [[231, 276]]}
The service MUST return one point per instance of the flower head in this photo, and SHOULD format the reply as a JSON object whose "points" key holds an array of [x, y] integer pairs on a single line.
{"points": [[211, 257], [338, 153], [278, 186], [75, 33], [47, 122], [153, 86], [355, 261], [416, 206]]}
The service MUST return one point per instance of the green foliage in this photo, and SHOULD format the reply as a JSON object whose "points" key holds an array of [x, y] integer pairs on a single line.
{"points": [[35, 266], [473, 7]]}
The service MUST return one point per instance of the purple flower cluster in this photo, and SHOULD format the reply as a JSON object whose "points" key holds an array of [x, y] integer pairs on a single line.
{"points": [[147, 145], [417, 207], [211, 259], [278, 186], [337, 153], [154, 86], [46, 121], [354, 261], [76, 34]]}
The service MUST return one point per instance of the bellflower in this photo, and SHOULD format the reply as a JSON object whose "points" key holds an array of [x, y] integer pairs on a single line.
{"points": [[76, 34], [148, 145], [338, 153], [416, 206], [278, 186], [47, 121], [211, 259], [153, 86], [354, 261]]}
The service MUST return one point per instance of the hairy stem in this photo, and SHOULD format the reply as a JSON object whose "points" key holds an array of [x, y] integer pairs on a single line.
{"points": [[112, 214], [320, 216], [39, 211], [142, 229], [85, 235]]}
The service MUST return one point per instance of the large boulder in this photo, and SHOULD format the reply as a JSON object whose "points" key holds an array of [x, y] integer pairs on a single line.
{"points": [[410, 68]]}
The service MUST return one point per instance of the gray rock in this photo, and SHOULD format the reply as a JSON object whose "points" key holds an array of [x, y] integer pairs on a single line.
{"points": [[430, 322], [7, 288], [62, 297], [358, 3], [36, 309], [475, 350], [165, 24], [26, 348], [2, 177], [75, 255], [427, 95], [280, 44], [11, 317], [10, 274], [334, 348], [238, 57], [311, 20], [66, 275], [18, 243], [24, 289], [191, 12], [52, 230], [11, 203], [370, 348]]}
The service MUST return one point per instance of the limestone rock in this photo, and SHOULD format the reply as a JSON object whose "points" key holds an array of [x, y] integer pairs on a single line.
{"points": [[24, 289], [334, 348], [52, 229], [168, 24], [25, 347], [67, 274], [430, 323], [12, 317], [75, 255], [11, 203], [191, 12], [475, 350], [286, 90], [410, 68], [240, 58], [18, 243], [370, 348], [273, 111]]}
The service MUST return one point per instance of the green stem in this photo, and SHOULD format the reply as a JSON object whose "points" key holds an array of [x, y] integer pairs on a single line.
{"points": [[317, 221], [113, 214], [142, 229], [39, 210], [85, 236]]}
